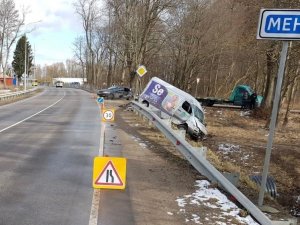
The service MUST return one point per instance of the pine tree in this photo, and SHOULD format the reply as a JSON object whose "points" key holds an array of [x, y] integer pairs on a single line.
{"points": [[19, 57]]}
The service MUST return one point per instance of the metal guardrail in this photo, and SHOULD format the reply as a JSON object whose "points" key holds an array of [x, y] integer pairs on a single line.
{"points": [[295, 111], [198, 161], [11, 95]]}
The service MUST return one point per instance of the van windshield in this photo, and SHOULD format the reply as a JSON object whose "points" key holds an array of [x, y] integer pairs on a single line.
{"points": [[198, 114]]}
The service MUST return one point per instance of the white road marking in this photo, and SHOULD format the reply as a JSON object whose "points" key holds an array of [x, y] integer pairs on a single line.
{"points": [[96, 193], [13, 125], [95, 207]]}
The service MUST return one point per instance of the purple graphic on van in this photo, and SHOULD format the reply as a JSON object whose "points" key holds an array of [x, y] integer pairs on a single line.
{"points": [[155, 94]]}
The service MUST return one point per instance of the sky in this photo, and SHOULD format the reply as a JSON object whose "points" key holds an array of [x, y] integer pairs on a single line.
{"points": [[53, 26]]}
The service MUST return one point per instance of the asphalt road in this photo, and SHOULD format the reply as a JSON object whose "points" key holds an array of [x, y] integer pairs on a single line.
{"points": [[47, 145]]}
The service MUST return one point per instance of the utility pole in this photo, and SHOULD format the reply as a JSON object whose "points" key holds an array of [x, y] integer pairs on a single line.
{"points": [[34, 62], [25, 63]]}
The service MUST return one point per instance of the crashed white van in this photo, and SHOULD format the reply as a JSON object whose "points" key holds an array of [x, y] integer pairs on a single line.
{"points": [[184, 109]]}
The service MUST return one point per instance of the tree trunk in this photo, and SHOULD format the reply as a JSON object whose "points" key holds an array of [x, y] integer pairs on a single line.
{"points": [[270, 74], [109, 72], [289, 100], [217, 73], [208, 92]]}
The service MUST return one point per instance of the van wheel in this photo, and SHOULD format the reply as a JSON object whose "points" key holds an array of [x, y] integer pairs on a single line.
{"points": [[145, 103], [182, 127]]}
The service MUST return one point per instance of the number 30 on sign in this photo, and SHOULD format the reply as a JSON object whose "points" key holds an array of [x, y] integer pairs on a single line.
{"points": [[108, 115]]}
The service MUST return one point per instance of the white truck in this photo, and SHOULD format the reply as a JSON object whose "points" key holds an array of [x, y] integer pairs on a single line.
{"points": [[184, 110]]}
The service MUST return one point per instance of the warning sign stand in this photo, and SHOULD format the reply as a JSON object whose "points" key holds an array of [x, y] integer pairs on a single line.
{"points": [[109, 173]]}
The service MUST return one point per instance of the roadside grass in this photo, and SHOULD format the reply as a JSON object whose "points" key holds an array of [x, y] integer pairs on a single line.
{"points": [[251, 135]]}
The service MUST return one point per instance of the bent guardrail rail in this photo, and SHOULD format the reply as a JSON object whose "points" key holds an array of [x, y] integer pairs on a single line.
{"points": [[6, 96], [200, 163]]}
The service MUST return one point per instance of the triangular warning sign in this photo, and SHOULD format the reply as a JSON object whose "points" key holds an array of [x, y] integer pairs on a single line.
{"points": [[109, 176]]}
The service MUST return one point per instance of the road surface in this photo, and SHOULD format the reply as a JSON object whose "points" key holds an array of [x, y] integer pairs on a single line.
{"points": [[47, 145]]}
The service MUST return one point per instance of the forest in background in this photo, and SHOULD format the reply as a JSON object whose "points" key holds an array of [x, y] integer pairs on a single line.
{"points": [[182, 40]]}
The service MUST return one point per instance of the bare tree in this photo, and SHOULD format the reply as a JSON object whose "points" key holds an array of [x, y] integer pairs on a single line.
{"points": [[89, 12], [136, 22], [80, 54], [181, 41], [10, 24]]}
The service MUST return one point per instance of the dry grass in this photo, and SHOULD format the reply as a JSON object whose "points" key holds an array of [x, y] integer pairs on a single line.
{"points": [[229, 126], [221, 165]]}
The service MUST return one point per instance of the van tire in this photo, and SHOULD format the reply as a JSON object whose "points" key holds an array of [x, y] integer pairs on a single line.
{"points": [[145, 103]]}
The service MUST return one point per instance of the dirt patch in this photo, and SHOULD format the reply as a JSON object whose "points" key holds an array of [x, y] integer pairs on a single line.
{"points": [[238, 128], [233, 128]]}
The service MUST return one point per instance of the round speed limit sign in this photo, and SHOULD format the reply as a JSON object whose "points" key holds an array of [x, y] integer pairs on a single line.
{"points": [[108, 115]]}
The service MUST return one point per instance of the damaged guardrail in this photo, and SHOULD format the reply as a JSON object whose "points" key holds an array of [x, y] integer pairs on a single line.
{"points": [[198, 161], [11, 95]]}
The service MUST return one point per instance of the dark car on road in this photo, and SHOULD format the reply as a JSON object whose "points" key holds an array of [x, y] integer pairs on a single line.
{"points": [[115, 92]]}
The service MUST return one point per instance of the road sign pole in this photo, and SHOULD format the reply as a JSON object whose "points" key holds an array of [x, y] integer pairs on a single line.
{"points": [[272, 126], [101, 145], [141, 71]]}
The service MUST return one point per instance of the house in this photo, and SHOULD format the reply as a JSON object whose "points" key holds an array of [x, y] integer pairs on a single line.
{"points": [[8, 80]]}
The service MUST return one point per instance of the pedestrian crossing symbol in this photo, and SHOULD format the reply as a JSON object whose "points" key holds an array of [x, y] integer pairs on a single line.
{"points": [[109, 173]]}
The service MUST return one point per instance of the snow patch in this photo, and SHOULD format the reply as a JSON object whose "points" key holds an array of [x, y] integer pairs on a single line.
{"points": [[143, 145], [208, 197], [245, 113], [229, 148]]}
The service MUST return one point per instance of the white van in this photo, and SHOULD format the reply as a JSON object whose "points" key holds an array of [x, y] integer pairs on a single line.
{"points": [[59, 84], [184, 109]]}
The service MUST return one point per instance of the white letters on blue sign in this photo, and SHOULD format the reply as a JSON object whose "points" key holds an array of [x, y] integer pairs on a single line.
{"points": [[274, 23], [158, 90], [296, 24], [286, 24], [279, 24]]}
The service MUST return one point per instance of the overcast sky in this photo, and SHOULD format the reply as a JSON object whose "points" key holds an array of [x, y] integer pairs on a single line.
{"points": [[54, 35]]}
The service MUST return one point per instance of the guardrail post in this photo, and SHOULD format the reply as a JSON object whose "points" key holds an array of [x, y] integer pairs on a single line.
{"points": [[202, 151]]}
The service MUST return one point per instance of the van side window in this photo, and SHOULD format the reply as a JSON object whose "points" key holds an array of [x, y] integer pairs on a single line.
{"points": [[187, 107]]}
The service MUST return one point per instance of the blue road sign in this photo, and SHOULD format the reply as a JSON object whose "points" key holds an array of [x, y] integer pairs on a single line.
{"points": [[279, 24], [100, 100]]}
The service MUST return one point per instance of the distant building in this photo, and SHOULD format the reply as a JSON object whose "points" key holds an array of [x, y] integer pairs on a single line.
{"points": [[69, 80], [8, 80]]}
